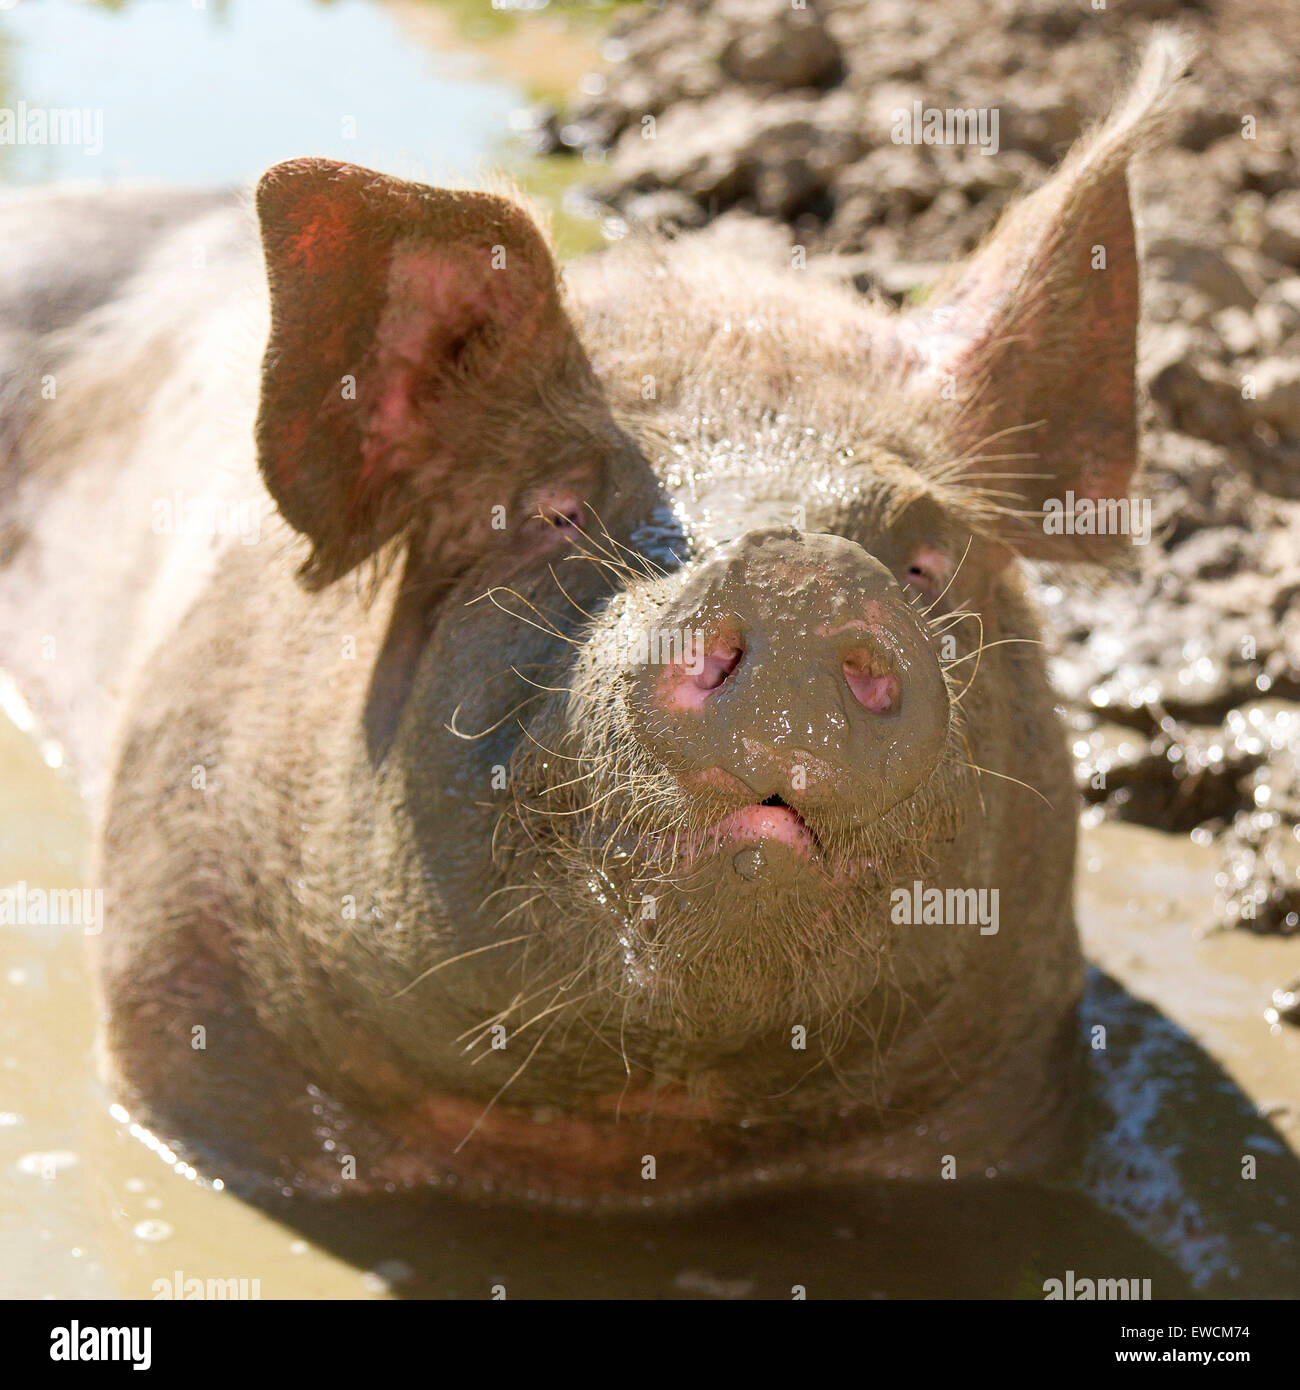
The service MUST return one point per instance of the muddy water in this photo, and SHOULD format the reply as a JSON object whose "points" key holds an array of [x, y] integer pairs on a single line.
{"points": [[88, 1209]]}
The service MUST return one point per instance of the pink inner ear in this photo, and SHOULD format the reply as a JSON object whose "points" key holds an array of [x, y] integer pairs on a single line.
{"points": [[432, 304]]}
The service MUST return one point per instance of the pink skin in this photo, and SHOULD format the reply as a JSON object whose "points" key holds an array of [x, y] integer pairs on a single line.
{"points": [[814, 769], [929, 570], [755, 822], [877, 693], [679, 688], [779, 823], [557, 517], [873, 621], [561, 509], [431, 303], [747, 823]]}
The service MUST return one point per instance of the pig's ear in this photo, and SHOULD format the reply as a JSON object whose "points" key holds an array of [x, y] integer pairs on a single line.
{"points": [[1034, 339], [408, 325]]}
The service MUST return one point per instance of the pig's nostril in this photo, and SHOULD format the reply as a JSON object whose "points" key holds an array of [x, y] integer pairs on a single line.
{"points": [[717, 667], [873, 688]]}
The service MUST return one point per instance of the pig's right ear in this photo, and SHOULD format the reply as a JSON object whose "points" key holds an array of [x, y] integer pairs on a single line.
{"points": [[408, 324]]}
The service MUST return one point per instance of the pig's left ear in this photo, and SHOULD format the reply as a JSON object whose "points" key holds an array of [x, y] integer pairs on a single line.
{"points": [[412, 329], [1034, 341]]}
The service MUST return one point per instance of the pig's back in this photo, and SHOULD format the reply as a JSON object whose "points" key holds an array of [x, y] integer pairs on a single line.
{"points": [[131, 323]]}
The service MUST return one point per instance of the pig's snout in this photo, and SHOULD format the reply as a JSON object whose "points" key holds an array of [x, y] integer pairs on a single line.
{"points": [[792, 668]]}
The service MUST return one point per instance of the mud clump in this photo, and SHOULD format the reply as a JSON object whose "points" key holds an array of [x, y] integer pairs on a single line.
{"points": [[1182, 669]]}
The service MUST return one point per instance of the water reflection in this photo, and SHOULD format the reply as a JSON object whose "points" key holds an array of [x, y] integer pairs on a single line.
{"points": [[212, 91]]}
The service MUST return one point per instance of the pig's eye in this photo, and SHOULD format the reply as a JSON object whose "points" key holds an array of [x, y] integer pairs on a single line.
{"points": [[556, 517], [569, 519], [928, 570]]}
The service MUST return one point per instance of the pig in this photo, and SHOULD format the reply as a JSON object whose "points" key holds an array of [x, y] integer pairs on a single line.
{"points": [[571, 737]]}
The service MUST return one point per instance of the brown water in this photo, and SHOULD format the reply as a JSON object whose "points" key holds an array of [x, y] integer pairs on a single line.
{"points": [[88, 1209]]}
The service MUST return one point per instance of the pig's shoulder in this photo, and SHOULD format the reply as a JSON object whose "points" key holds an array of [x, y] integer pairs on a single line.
{"points": [[129, 340], [69, 250]]}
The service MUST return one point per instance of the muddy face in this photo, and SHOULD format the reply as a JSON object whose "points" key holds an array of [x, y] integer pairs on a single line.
{"points": [[695, 653], [744, 800], [666, 785], [678, 779]]}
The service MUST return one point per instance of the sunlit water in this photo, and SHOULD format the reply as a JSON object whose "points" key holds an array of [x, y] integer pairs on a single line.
{"points": [[211, 93]]}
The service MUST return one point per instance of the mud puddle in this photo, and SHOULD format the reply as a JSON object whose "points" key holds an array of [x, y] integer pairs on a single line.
{"points": [[89, 1210]]}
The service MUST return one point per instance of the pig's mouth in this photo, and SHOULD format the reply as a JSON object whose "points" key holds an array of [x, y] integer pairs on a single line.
{"points": [[756, 839], [771, 820]]}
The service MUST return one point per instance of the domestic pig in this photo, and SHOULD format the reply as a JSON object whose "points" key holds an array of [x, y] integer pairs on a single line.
{"points": [[578, 735]]}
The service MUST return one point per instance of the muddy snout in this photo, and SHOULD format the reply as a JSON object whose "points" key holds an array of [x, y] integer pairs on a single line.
{"points": [[791, 669]]}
